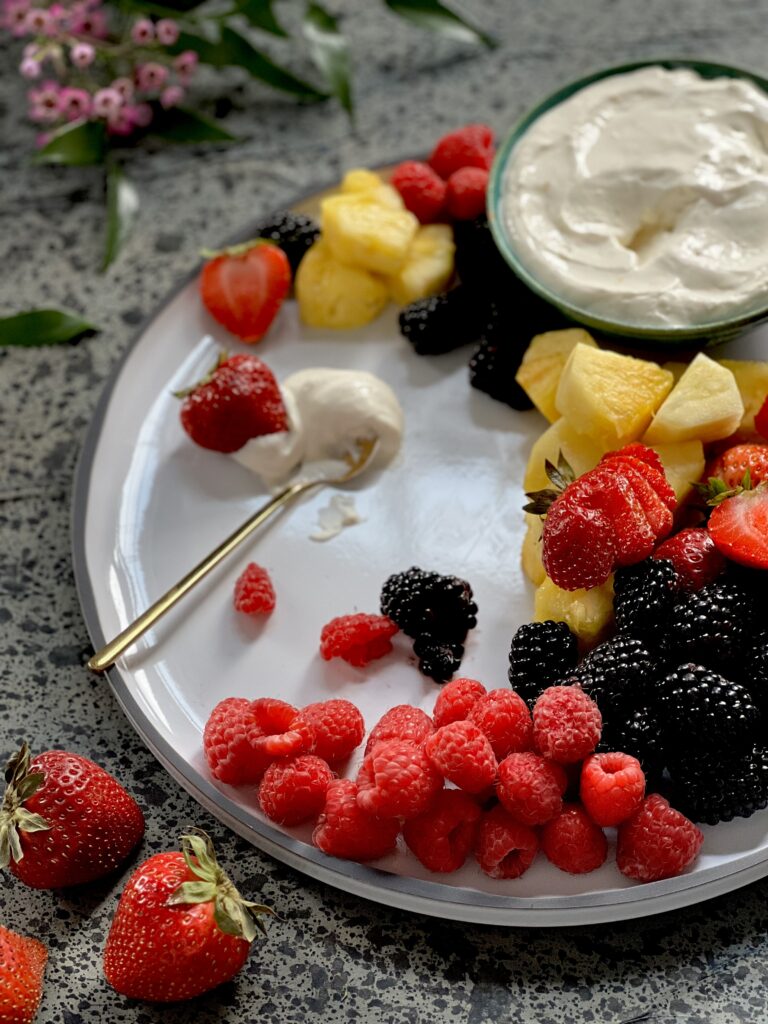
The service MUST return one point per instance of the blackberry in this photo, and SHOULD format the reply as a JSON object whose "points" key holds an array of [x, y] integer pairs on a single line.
{"points": [[494, 362], [712, 626], [293, 232], [638, 733], [428, 604], [644, 596], [438, 659], [442, 323], [756, 672], [719, 788], [702, 712], [617, 673], [540, 655]]}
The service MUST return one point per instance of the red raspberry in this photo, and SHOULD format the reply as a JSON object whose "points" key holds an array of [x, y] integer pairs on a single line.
{"points": [[443, 836], [455, 701], [612, 787], [254, 593], [505, 719], [283, 734], [465, 194], [656, 842], [463, 755], [338, 728], [397, 780], [422, 191], [573, 842], [357, 639], [531, 788], [693, 554], [470, 146], [293, 789], [228, 742], [566, 724], [761, 419], [344, 830], [402, 722], [504, 849]]}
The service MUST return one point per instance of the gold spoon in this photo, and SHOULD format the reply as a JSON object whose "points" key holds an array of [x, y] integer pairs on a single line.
{"points": [[356, 461]]}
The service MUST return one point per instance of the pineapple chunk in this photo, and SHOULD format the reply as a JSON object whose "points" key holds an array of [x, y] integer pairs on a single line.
{"points": [[752, 382], [364, 233], [581, 452], [360, 181], [332, 294], [542, 364], [588, 613], [428, 267], [704, 405], [530, 555], [683, 465], [611, 397]]}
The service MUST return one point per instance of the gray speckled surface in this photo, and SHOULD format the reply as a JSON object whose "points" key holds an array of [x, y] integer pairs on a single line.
{"points": [[330, 957]]}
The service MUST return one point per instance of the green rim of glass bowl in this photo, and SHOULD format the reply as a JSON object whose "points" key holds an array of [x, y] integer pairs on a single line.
{"points": [[713, 331]]}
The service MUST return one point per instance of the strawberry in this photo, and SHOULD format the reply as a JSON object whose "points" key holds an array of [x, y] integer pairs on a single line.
{"points": [[693, 554], [238, 399], [64, 820], [244, 287], [761, 419], [733, 465], [739, 527], [181, 927], [22, 963]]}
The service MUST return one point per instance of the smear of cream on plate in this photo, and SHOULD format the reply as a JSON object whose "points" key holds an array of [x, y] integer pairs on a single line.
{"points": [[338, 513]]}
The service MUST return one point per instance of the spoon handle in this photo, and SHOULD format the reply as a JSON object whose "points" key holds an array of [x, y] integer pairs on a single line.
{"points": [[107, 656]]}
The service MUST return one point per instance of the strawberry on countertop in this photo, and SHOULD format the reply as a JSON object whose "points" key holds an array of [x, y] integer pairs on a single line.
{"points": [[22, 964], [244, 287]]}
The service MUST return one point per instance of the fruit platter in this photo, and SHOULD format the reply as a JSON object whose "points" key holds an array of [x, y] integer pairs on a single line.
{"points": [[513, 673]]}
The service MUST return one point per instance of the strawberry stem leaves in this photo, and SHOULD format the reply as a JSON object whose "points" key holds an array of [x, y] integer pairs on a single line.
{"points": [[14, 817], [560, 476]]}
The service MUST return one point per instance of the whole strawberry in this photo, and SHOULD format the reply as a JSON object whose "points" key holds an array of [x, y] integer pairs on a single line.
{"points": [[181, 926], [237, 400], [244, 287], [64, 820], [22, 964], [744, 465]]}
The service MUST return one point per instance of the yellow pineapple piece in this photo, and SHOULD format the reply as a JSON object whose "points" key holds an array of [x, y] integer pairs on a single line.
{"points": [[360, 179], [752, 382], [581, 452], [588, 613], [333, 294], [683, 465], [530, 555], [704, 405], [611, 397], [543, 362], [428, 266], [364, 233]]}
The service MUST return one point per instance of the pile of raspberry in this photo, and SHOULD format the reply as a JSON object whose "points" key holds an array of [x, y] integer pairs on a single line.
{"points": [[484, 777]]}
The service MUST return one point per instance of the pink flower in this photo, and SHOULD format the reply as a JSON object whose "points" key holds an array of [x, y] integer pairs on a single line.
{"points": [[30, 67], [42, 139], [83, 21], [14, 17], [74, 103], [123, 86], [167, 31], [38, 21], [143, 32], [121, 122], [82, 55], [185, 64], [151, 77], [141, 114], [171, 96], [107, 102], [44, 102]]}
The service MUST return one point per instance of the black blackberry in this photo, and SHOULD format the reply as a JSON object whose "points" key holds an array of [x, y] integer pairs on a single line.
{"points": [[644, 595], [616, 674], [541, 654], [428, 604], [637, 732], [755, 676], [719, 788], [702, 712], [442, 323], [293, 232], [438, 659], [494, 362], [712, 626]]}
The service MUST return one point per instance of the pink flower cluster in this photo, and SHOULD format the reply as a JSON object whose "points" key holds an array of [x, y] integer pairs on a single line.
{"points": [[73, 50]]}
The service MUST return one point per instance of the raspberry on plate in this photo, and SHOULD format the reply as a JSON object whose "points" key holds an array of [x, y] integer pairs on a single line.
{"points": [[531, 788], [402, 722], [462, 754], [657, 842], [443, 837], [504, 849], [695, 558], [612, 787], [420, 188], [357, 639], [566, 724], [254, 593], [505, 719], [456, 700], [465, 193], [293, 789], [573, 842], [345, 830], [470, 146], [337, 727], [397, 780]]}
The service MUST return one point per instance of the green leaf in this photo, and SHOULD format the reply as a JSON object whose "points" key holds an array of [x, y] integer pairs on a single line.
{"points": [[433, 15], [239, 52], [174, 6], [42, 327], [181, 125], [209, 51], [76, 144], [122, 207], [260, 14], [329, 51]]}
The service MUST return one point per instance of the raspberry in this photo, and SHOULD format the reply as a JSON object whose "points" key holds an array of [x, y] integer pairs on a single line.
{"points": [[573, 842], [531, 788], [402, 722], [397, 780], [282, 733], [254, 593], [470, 146], [656, 842], [344, 830], [338, 728], [456, 700], [504, 849], [228, 742], [505, 719], [612, 787], [293, 789], [422, 191], [465, 194], [694, 556], [541, 654], [463, 755], [444, 835], [357, 639], [566, 724]]}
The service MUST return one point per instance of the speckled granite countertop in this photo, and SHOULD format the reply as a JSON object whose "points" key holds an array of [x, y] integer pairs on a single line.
{"points": [[330, 957]]}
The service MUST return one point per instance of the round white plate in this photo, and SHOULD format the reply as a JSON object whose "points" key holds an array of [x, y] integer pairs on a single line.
{"points": [[149, 504]]}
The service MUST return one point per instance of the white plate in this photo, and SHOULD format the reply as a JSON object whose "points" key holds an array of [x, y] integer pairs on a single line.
{"points": [[148, 504]]}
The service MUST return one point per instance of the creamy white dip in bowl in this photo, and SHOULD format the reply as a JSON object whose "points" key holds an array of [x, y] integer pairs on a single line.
{"points": [[635, 200]]}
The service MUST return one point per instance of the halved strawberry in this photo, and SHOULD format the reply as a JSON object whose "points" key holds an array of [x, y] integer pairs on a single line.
{"points": [[739, 527], [244, 287]]}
